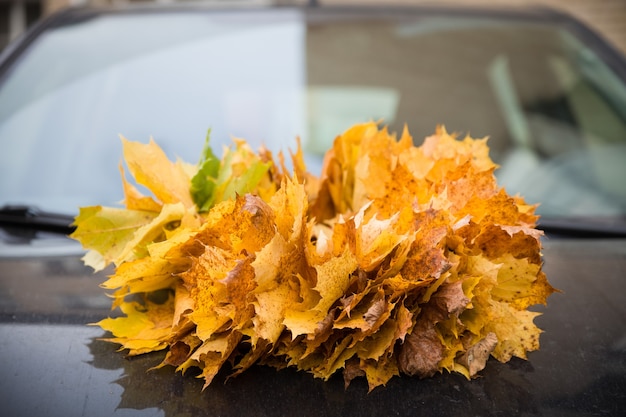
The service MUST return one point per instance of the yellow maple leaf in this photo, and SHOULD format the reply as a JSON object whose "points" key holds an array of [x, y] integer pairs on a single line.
{"points": [[106, 231], [151, 168], [134, 199], [144, 328]]}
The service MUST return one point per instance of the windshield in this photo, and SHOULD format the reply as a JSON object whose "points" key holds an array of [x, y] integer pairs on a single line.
{"points": [[555, 114]]}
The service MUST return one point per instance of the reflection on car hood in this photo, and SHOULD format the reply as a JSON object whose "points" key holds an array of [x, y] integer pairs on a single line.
{"points": [[50, 289], [54, 246], [53, 364]]}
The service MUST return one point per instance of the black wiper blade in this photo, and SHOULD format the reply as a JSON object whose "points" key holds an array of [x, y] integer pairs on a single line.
{"points": [[29, 217], [584, 228]]}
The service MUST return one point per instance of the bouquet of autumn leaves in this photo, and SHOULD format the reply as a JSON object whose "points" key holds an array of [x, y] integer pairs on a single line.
{"points": [[397, 259]]}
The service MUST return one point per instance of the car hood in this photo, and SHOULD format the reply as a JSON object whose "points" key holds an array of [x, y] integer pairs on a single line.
{"points": [[55, 364]]}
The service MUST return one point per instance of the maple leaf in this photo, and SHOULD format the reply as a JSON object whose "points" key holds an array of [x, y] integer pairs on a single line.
{"points": [[474, 359], [144, 328], [397, 259], [239, 172], [204, 181], [151, 168], [105, 231], [134, 199], [422, 350]]}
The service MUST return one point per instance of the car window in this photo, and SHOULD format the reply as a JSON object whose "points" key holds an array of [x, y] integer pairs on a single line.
{"points": [[63, 136], [554, 112]]}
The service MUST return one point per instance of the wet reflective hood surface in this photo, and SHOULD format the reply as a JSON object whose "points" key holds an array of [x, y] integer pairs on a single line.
{"points": [[53, 363]]}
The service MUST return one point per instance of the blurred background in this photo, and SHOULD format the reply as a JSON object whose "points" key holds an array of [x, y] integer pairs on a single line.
{"points": [[608, 17]]}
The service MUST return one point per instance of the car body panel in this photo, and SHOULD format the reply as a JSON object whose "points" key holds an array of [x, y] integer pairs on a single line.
{"points": [[56, 365]]}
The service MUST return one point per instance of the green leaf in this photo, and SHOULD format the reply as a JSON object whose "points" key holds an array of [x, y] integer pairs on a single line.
{"points": [[203, 183], [239, 172], [246, 183]]}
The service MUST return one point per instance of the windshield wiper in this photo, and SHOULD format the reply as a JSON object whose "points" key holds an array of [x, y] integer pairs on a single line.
{"points": [[583, 228], [29, 217]]}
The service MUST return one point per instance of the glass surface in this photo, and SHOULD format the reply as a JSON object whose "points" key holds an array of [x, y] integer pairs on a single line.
{"points": [[555, 114]]}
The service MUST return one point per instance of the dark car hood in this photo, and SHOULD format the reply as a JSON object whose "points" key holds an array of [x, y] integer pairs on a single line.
{"points": [[54, 364]]}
